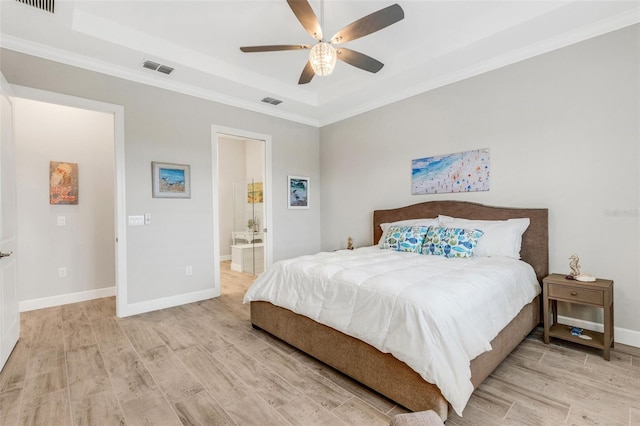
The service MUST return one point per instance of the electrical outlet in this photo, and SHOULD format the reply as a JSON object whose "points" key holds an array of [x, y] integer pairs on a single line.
{"points": [[147, 218], [189, 270], [62, 221], [62, 272], [136, 220]]}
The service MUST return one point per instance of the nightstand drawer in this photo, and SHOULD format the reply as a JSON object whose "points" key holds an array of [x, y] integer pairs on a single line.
{"points": [[576, 294]]}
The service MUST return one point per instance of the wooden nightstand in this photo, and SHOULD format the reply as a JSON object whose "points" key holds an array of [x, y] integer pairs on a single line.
{"points": [[598, 293]]}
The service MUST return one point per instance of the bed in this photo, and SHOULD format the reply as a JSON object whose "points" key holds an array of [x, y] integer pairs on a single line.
{"points": [[385, 373]]}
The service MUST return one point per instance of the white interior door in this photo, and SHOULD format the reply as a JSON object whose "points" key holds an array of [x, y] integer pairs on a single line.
{"points": [[9, 314]]}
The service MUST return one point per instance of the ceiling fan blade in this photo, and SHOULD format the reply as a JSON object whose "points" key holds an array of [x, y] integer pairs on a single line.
{"points": [[307, 74], [359, 60], [369, 24], [274, 48], [303, 11]]}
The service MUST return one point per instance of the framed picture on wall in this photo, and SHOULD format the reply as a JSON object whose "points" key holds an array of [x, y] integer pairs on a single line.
{"points": [[298, 196], [466, 171], [255, 193], [171, 180], [63, 182]]}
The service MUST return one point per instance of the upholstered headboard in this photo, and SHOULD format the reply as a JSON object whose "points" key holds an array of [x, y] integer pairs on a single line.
{"points": [[535, 241]]}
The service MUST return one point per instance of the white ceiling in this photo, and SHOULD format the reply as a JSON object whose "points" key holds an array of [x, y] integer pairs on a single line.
{"points": [[438, 42]]}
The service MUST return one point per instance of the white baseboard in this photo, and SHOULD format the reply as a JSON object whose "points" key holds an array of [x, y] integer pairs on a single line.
{"points": [[167, 302], [63, 299], [225, 257], [130, 309], [621, 335], [236, 267]]}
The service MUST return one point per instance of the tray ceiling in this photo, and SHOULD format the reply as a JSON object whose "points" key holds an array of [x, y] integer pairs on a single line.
{"points": [[438, 42]]}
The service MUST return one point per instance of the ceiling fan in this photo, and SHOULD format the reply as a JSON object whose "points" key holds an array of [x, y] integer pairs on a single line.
{"points": [[322, 57]]}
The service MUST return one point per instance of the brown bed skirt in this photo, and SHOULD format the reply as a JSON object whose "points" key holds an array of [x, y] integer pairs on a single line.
{"points": [[381, 371]]}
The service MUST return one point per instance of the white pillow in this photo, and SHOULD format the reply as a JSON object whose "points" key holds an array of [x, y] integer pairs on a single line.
{"points": [[408, 222], [501, 237]]}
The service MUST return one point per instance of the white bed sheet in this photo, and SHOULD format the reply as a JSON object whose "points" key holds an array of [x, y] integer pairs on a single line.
{"points": [[437, 314]]}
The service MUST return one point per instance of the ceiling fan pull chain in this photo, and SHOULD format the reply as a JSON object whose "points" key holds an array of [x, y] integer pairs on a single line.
{"points": [[322, 18]]}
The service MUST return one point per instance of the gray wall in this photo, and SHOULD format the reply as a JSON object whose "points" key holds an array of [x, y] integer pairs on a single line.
{"points": [[165, 126], [563, 131]]}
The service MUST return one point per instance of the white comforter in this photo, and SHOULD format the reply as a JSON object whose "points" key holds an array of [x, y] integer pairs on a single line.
{"points": [[433, 313]]}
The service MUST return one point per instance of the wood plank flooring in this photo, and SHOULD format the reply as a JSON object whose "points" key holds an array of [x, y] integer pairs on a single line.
{"points": [[203, 364]]}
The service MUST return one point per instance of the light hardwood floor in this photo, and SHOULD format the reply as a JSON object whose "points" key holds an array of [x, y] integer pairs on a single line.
{"points": [[203, 364]]}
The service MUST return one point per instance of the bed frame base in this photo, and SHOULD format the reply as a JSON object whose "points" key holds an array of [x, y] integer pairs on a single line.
{"points": [[381, 371]]}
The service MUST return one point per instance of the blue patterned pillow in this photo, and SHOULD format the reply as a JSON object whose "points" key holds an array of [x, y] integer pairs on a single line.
{"points": [[451, 242], [404, 238]]}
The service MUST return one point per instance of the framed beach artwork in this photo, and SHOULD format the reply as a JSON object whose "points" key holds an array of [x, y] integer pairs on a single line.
{"points": [[466, 171], [171, 180], [298, 192], [63, 182]]}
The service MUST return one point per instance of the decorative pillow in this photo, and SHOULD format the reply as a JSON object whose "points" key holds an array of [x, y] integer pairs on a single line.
{"points": [[450, 242], [404, 238], [409, 222], [501, 237]]}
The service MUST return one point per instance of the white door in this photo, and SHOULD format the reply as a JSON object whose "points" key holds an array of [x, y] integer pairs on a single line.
{"points": [[9, 314]]}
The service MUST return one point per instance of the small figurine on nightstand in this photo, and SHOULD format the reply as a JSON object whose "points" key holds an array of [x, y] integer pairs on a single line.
{"points": [[574, 264], [349, 243], [575, 274]]}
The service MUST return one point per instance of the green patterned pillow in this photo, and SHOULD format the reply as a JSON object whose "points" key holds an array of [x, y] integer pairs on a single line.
{"points": [[404, 238], [451, 242]]}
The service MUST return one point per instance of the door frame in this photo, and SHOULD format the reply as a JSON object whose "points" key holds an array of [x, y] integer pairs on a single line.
{"points": [[221, 131], [119, 173]]}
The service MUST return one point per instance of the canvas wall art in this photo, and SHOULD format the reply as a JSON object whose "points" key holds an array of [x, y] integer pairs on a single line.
{"points": [[255, 193], [63, 182], [171, 180], [460, 172], [298, 192]]}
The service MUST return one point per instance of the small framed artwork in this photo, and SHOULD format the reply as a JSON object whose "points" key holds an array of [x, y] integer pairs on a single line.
{"points": [[255, 194], [63, 182], [298, 192], [171, 180]]}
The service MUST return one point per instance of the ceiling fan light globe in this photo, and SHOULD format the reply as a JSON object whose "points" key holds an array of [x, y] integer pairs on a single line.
{"points": [[323, 58]]}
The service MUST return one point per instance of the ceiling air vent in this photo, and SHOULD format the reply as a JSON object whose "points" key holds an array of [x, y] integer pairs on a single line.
{"points": [[46, 5], [271, 101], [151, 65], [165, 69]]}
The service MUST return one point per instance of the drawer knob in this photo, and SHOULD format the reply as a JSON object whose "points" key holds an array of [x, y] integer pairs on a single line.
{"points": [[573, 293]]}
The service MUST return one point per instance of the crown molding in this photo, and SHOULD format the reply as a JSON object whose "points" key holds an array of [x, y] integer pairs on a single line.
{"points": [[91, 64], [614, 23]]}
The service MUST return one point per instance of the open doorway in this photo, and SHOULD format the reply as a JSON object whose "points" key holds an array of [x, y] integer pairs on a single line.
{"points": [[92, 264], [242, 177]]}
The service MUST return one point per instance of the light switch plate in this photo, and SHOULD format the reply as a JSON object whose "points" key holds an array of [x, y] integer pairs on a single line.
{"points": [[62, 221]]}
